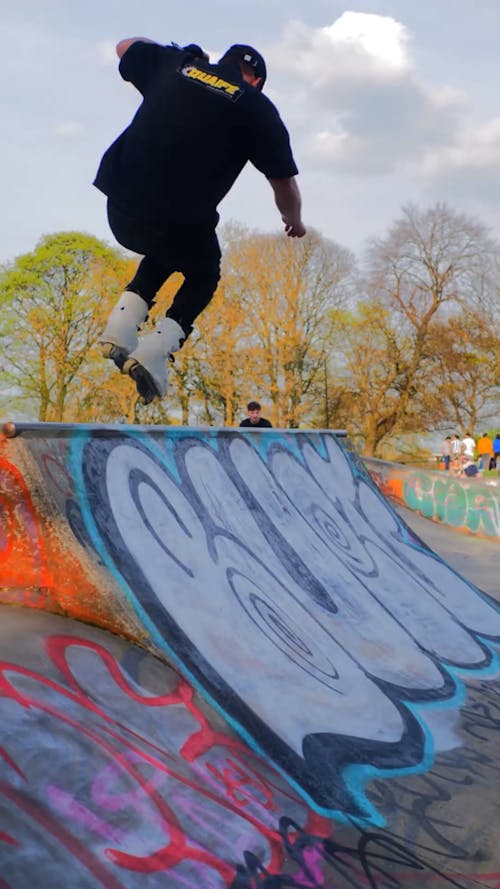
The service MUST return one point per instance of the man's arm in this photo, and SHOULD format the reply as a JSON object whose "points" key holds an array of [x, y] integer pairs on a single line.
{"points": [[123, 45], [289, 203]]}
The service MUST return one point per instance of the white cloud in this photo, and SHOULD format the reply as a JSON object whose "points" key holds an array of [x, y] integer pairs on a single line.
{"points": [[477, 147], [355, 47], [359, 104], [382, 38], [467, 171], [105, 52], [69, 129]]}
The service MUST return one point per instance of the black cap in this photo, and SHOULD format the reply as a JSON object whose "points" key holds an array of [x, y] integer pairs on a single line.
{"points": [[243, 53]]}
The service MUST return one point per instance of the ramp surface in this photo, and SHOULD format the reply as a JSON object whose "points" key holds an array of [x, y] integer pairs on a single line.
{"points": [[475, 558], [324, 678]]}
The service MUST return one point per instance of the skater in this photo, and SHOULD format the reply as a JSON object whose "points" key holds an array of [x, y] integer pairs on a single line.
{"points": [[196, 128]]}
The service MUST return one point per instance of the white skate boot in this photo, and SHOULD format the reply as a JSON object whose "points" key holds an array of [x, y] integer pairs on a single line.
{"points": [[147, 365], [119, 337]]}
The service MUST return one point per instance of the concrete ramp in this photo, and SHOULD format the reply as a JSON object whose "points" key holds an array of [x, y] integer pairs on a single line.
{"points": [[325, 679]]}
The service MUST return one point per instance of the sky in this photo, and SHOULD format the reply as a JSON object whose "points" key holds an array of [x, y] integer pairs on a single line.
{"points": [[387, 102]]}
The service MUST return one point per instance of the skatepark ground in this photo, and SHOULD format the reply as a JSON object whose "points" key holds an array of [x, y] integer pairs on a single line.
{"points": [[475, 558]]}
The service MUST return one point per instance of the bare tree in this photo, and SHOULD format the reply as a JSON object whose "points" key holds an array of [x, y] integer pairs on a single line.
{"points": [[464, 386], [288, 290], [433, 265]]}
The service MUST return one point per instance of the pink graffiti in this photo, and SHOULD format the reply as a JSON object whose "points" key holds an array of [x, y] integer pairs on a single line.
{"points": [[197, 785], [67, 805]]}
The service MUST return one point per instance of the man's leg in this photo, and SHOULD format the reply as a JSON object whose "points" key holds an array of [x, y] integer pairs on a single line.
{"points": [[119, 337], [198, 258], [201, 272], [149, 277]]}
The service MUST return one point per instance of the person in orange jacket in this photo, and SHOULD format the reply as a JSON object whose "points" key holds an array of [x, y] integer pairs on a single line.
{"points": [[484, 451]]}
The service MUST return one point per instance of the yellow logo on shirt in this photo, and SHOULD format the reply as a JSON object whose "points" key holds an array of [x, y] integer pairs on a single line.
{"points": [[232, 90]]}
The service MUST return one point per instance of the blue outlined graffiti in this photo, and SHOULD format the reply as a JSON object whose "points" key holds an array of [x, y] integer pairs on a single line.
{"points": [[273, 573]]}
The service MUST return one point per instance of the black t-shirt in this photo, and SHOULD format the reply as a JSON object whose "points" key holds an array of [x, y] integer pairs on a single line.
{"points": [[262, 422], [196, 128]]}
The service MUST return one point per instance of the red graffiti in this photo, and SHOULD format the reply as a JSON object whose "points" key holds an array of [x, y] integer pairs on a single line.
{"points": [[40, 567], [22, 556], [54, 467], [210, 777]]}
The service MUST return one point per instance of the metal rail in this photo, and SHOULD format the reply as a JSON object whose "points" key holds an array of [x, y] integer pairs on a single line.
{"points": [[12, 429]]}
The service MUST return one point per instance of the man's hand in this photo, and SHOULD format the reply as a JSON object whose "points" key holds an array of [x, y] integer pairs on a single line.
{"points": [[288, 202], [294, 229]]}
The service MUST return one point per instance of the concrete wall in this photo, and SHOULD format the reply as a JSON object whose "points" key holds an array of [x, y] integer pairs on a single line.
{"points": [[468, 505]]}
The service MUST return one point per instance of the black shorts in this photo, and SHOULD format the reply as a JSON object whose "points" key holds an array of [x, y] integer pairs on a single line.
{"points": [[180, 247]]}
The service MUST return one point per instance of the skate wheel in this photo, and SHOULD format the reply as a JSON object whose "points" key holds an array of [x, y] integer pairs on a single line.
{"points": [[115, 353], [146, 388]]}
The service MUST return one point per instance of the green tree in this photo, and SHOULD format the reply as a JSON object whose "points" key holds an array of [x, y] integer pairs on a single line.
{"points": [[54, 301], [285, 291], [265, 333], [212, 366]]}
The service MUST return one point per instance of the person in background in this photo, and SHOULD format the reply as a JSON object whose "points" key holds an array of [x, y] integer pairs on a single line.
{"points": [[496, 451], [456, 455], [446, 451], [469, 468], [468, 446], [484, 452], [254, 419]]}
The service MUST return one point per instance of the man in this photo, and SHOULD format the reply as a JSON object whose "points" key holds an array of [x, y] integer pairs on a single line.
{"points": [[254, 418], [484, 451], [469, 469], [468, 446], [456, 450], [446, 451], [196, 128], [496, 452]]}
